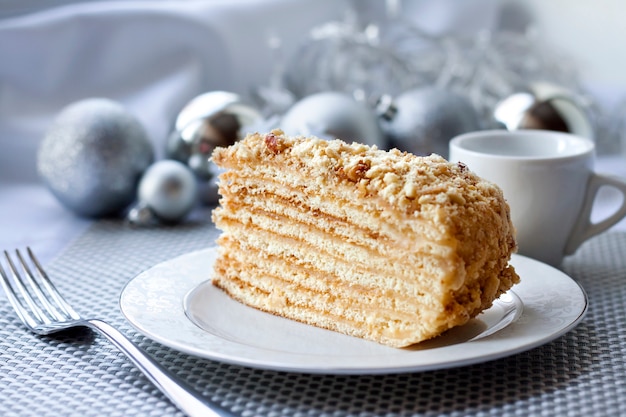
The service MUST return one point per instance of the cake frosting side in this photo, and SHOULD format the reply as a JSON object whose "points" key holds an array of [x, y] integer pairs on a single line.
{"points": [[382, 245]]}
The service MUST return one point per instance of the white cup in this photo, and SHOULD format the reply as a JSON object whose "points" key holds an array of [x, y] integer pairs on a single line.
{"points": [[548, 180]]}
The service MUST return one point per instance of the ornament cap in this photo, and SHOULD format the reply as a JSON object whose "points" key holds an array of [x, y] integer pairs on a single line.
{"points": [[141, 215], [386, 108]]}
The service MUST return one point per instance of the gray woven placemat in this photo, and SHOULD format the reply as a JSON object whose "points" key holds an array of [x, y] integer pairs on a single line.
{"points": [[580, 374]]}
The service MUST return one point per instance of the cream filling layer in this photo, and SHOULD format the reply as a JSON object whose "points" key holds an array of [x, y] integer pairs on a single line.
{"points": [[301, 276]]}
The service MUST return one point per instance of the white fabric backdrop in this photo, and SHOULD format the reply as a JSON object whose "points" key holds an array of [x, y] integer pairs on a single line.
{"points": [[151, 56]]}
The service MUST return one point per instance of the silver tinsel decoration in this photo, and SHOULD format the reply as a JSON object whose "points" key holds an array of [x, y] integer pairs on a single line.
{"points": [[342, 56], [389, 58], [490, 66], [92, 157]]}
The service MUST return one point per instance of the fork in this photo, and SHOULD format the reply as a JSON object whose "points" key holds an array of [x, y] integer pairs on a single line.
{"points": [[43, 310]]}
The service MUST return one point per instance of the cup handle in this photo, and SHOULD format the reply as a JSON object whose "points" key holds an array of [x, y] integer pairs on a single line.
{"points": [[584, 228]]}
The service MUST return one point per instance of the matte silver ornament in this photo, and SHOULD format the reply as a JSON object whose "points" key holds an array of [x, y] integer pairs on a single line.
{"points": [[212, 119], [208, 190], [167, 192], [423, 120], [331, 115], [92, 157], [545, 106]]}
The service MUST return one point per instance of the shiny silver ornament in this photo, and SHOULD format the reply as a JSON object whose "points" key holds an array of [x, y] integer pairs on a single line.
{"points": [[167, 192], [423, 120], [545, 106], [92, 157], [208, 190], [331, 115], [212, 119]]}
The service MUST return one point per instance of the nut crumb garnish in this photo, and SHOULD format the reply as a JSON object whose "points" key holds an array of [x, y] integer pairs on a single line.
{"points": [[357, 171], [272, 143]]}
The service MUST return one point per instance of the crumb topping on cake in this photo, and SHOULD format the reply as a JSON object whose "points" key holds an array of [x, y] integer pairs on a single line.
{"points": [[398, 177]]}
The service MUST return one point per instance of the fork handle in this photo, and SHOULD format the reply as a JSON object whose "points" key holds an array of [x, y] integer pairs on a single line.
{"points": [[182, 395]]}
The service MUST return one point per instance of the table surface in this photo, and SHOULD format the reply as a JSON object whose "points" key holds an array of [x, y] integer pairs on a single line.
{"points": [[582, 373]]}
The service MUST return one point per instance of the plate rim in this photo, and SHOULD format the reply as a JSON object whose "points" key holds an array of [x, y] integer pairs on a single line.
{"points": [[290, 366]]}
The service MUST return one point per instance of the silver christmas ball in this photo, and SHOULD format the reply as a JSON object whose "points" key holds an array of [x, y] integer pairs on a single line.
{"points": [[212, 119], [547, 107], [332, 115], [92, 157], [208, 190], [423, 120], [167, 192]]}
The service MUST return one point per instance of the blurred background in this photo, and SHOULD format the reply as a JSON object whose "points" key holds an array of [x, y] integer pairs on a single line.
{"points": [[154, 56], [423, 70]]}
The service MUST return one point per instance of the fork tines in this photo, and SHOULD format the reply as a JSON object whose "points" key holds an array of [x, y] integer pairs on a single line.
{"points": [[33, 295]]}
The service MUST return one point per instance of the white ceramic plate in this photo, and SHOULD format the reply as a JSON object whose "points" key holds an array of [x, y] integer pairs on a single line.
{"points": [[174, 304]]}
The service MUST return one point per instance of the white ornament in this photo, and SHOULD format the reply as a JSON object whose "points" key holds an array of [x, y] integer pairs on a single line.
{"points": [[422, 121], [167, 192], [333, 115]]}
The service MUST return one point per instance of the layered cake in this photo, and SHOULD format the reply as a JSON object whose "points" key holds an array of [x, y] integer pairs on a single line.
{"points": [[381, 245]]}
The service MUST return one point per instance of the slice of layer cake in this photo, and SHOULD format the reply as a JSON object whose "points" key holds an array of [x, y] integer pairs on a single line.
{"points": [[385, 246]]}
